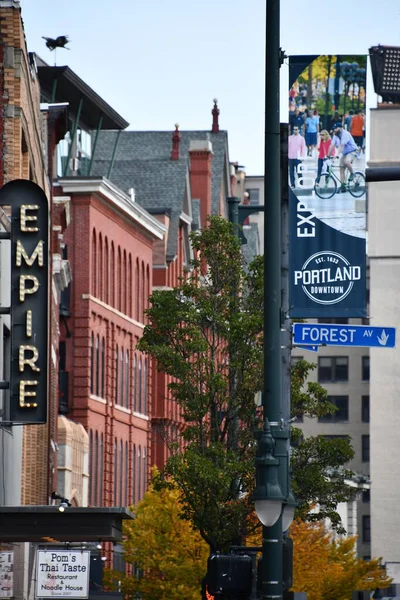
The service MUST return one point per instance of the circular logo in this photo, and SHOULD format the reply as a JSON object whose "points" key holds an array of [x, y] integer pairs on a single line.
{"points": [[327, 277]]}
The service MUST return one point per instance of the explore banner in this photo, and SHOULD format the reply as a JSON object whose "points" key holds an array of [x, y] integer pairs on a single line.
{"points": [[327, 190]]}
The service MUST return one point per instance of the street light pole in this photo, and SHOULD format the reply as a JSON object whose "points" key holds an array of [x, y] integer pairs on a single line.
{"points": [[271, 572]]}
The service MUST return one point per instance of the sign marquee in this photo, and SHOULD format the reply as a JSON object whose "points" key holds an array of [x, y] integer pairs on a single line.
{"points": [[29, 300], [62, 574]]}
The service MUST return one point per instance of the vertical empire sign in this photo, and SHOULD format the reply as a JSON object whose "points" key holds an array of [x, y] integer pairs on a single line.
{"points": [[29, 300], [327, 191]]}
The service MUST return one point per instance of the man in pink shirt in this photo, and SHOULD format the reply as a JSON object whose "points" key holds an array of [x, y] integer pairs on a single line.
{"points": [[297, 150]]}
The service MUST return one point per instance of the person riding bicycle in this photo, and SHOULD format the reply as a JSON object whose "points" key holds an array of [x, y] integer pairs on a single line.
{"points": [[347, 149]]}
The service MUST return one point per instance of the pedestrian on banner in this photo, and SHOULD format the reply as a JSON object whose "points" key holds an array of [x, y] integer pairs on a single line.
{"points": [[312, 123], [347, 149], [357, 128], [296, 119], [323, 149], [296, 151]]}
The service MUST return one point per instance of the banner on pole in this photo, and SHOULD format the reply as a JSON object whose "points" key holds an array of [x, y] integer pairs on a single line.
{"points": [[327, 190]]}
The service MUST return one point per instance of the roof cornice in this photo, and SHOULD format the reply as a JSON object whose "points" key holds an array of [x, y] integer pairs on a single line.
{"points": [[101, 185]]}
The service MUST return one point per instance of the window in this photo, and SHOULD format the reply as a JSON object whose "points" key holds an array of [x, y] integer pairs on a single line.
{"points": [[144, 470], [145, 387], [121, 473], [115, 472], [365, 368], [101, 471], [334, 320], [134, 475], [254, 195], [116, 375], [365, 409], [366, 528], [103, 367], [126, 474], [121, 379], [366, 496], [95, 479], [92, 364], [97, 367], [135, 383], [127, 374], [333, 368], [342, 412], [139, 382], [365, 448], [139, 474]]}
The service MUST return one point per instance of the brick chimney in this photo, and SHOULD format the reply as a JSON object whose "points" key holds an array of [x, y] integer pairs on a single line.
{"points": [[201, 154], [176, 140], [215, 114]]}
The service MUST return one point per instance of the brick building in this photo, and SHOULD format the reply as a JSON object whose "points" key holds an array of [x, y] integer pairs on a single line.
{"points": [[180, 178], [106, 381]]}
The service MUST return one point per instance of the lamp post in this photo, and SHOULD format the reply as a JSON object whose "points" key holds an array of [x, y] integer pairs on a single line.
{"points": [[272, 462]]}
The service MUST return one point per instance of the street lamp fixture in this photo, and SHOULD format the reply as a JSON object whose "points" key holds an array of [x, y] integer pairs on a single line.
{"points": [[288, 511], [268, 496]]}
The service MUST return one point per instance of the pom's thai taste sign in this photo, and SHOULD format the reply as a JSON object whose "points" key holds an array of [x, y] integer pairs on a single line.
{"points": [[62, 574]]}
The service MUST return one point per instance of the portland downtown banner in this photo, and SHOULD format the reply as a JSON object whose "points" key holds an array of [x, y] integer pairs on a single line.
{"points": [[327, 191]]}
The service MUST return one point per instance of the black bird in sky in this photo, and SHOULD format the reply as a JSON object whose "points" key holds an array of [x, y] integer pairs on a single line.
{"points": [[59, 42]]}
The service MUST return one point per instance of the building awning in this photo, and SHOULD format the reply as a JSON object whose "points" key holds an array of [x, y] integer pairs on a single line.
{"points": [[48, 524], [61, 84]]}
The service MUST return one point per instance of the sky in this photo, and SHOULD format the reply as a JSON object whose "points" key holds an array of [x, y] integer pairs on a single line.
{"points": [[159, 62]]}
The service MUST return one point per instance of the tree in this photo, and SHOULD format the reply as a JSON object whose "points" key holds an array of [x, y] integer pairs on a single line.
{"points": [[163, 547], [325, 567], [207, 334]]}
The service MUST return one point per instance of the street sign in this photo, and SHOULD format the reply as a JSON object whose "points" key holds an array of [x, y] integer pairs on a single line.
{"points": [[309, 334], [309, 348], [62, 574]]}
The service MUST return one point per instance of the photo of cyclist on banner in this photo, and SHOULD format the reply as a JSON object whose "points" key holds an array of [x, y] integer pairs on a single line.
{"points": [[327, 103]]}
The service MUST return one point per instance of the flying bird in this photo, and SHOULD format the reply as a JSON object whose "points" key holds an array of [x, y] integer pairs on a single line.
{"points": [[59, 42]]}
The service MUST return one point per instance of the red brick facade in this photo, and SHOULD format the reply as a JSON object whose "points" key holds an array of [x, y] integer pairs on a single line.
{"points": [[109, 381]]}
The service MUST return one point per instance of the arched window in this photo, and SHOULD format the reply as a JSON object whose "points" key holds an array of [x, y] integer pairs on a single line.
{"points": [[116, 375], [143, 291], [121, 472], [94, 263], [135, 395], [137, 291], [97, 392], [144, 470], [112, 275], [124, 287], [90, 468], [134, 475], [119, 280], [127, 375], [126, 474], [106, 272], [139, 475], [148, 289], [129, 308], [100, 269], [96, 469], [115, 472], [140, 384], [121, 378], [103, 368], [92, 367], [145, 386], [101, 470]]}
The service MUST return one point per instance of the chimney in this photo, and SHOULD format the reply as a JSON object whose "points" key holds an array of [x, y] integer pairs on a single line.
{"points": [[215, 114], [200, 152], [176, 139]]}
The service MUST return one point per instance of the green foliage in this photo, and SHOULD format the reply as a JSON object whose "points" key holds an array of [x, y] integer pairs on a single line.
{"points": [[207, 334]]}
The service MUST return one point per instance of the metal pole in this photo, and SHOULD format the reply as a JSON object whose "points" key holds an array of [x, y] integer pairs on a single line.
{"points": [[271, 573]]}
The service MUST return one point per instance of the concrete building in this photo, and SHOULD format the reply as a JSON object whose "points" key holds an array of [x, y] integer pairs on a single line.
{"points": [[384, 257]]}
